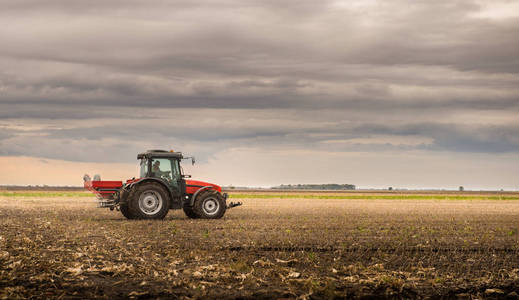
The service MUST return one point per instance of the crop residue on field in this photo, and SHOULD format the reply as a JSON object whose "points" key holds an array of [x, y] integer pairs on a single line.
{"points": [[307, 246]]}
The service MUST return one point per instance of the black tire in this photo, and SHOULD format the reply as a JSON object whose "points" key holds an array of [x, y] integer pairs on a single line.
{"points": [[125, 210], [190, 212], [123, 207], [210, 204], [149, 201]]}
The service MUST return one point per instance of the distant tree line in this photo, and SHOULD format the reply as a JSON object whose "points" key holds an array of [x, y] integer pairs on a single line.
{"points": [[329, 186]]}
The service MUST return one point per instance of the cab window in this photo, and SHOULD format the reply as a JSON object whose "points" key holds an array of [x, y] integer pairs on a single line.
{"points": [[161, 167], [176, 169], [144, 168]]}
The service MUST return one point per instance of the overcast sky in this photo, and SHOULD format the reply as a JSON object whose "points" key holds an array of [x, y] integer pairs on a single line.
{"points": [[416, 94]]}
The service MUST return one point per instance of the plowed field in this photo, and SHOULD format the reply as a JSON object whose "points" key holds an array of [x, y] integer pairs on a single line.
{"points": [[277, 245]]}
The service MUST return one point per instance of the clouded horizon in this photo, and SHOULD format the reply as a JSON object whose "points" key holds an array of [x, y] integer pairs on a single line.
{"points": [[411, 94]]}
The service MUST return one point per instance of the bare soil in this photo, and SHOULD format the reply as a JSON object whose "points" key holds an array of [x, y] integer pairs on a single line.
{"points": [[64, 247]]}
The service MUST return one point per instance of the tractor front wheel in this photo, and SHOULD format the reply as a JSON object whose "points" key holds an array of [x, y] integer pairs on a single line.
{"points": [[210, 204], [149, 201]]}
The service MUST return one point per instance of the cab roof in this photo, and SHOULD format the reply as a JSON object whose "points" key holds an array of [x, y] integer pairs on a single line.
{"points": [[160, 154]]}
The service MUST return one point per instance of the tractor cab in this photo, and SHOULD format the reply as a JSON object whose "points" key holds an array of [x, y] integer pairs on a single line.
{"points": [[164, 166]]}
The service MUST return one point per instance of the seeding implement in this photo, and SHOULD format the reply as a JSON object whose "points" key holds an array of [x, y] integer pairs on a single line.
{"points": [[161, 186]]}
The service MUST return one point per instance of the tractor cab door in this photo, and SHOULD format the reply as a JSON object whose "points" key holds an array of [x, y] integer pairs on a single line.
{"points": [[168, 170]]}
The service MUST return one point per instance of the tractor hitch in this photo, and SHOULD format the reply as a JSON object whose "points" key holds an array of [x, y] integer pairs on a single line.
{"points": [[233, 204]]}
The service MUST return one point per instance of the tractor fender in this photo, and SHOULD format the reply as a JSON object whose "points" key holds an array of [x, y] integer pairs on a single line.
{"points": [[192, 200], [151, 179]]}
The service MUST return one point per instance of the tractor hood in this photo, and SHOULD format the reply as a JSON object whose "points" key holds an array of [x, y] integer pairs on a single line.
{"points": [[193, 185]]}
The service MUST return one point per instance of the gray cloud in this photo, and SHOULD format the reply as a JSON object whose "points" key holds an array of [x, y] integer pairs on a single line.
{"points": [[209, 132], [260, 38]]}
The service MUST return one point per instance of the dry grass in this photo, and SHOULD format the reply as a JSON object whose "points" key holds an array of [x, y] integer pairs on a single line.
{"points": [[64, 247]]}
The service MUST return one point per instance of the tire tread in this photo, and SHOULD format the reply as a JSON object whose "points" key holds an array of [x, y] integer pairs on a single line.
{"points": [[200, 200], [133, 201]]}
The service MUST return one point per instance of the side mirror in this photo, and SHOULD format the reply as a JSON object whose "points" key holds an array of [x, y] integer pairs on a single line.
{"points": [[192, 159]]}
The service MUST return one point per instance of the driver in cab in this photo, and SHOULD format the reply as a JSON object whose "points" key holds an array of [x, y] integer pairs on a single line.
{"points": [[156, 170]]}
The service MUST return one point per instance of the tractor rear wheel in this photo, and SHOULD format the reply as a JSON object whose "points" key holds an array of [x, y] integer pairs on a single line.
{"points": [[149, 201], [190, 212], [125, 210], [210, 204]]}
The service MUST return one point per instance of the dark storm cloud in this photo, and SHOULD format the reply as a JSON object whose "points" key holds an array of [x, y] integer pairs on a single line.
{"points": [[454, 137], [263, 38], [120, 142], [79, 92], [119, 76]]}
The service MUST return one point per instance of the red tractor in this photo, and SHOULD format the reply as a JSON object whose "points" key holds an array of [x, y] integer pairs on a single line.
{"points": [[161, 186]]}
